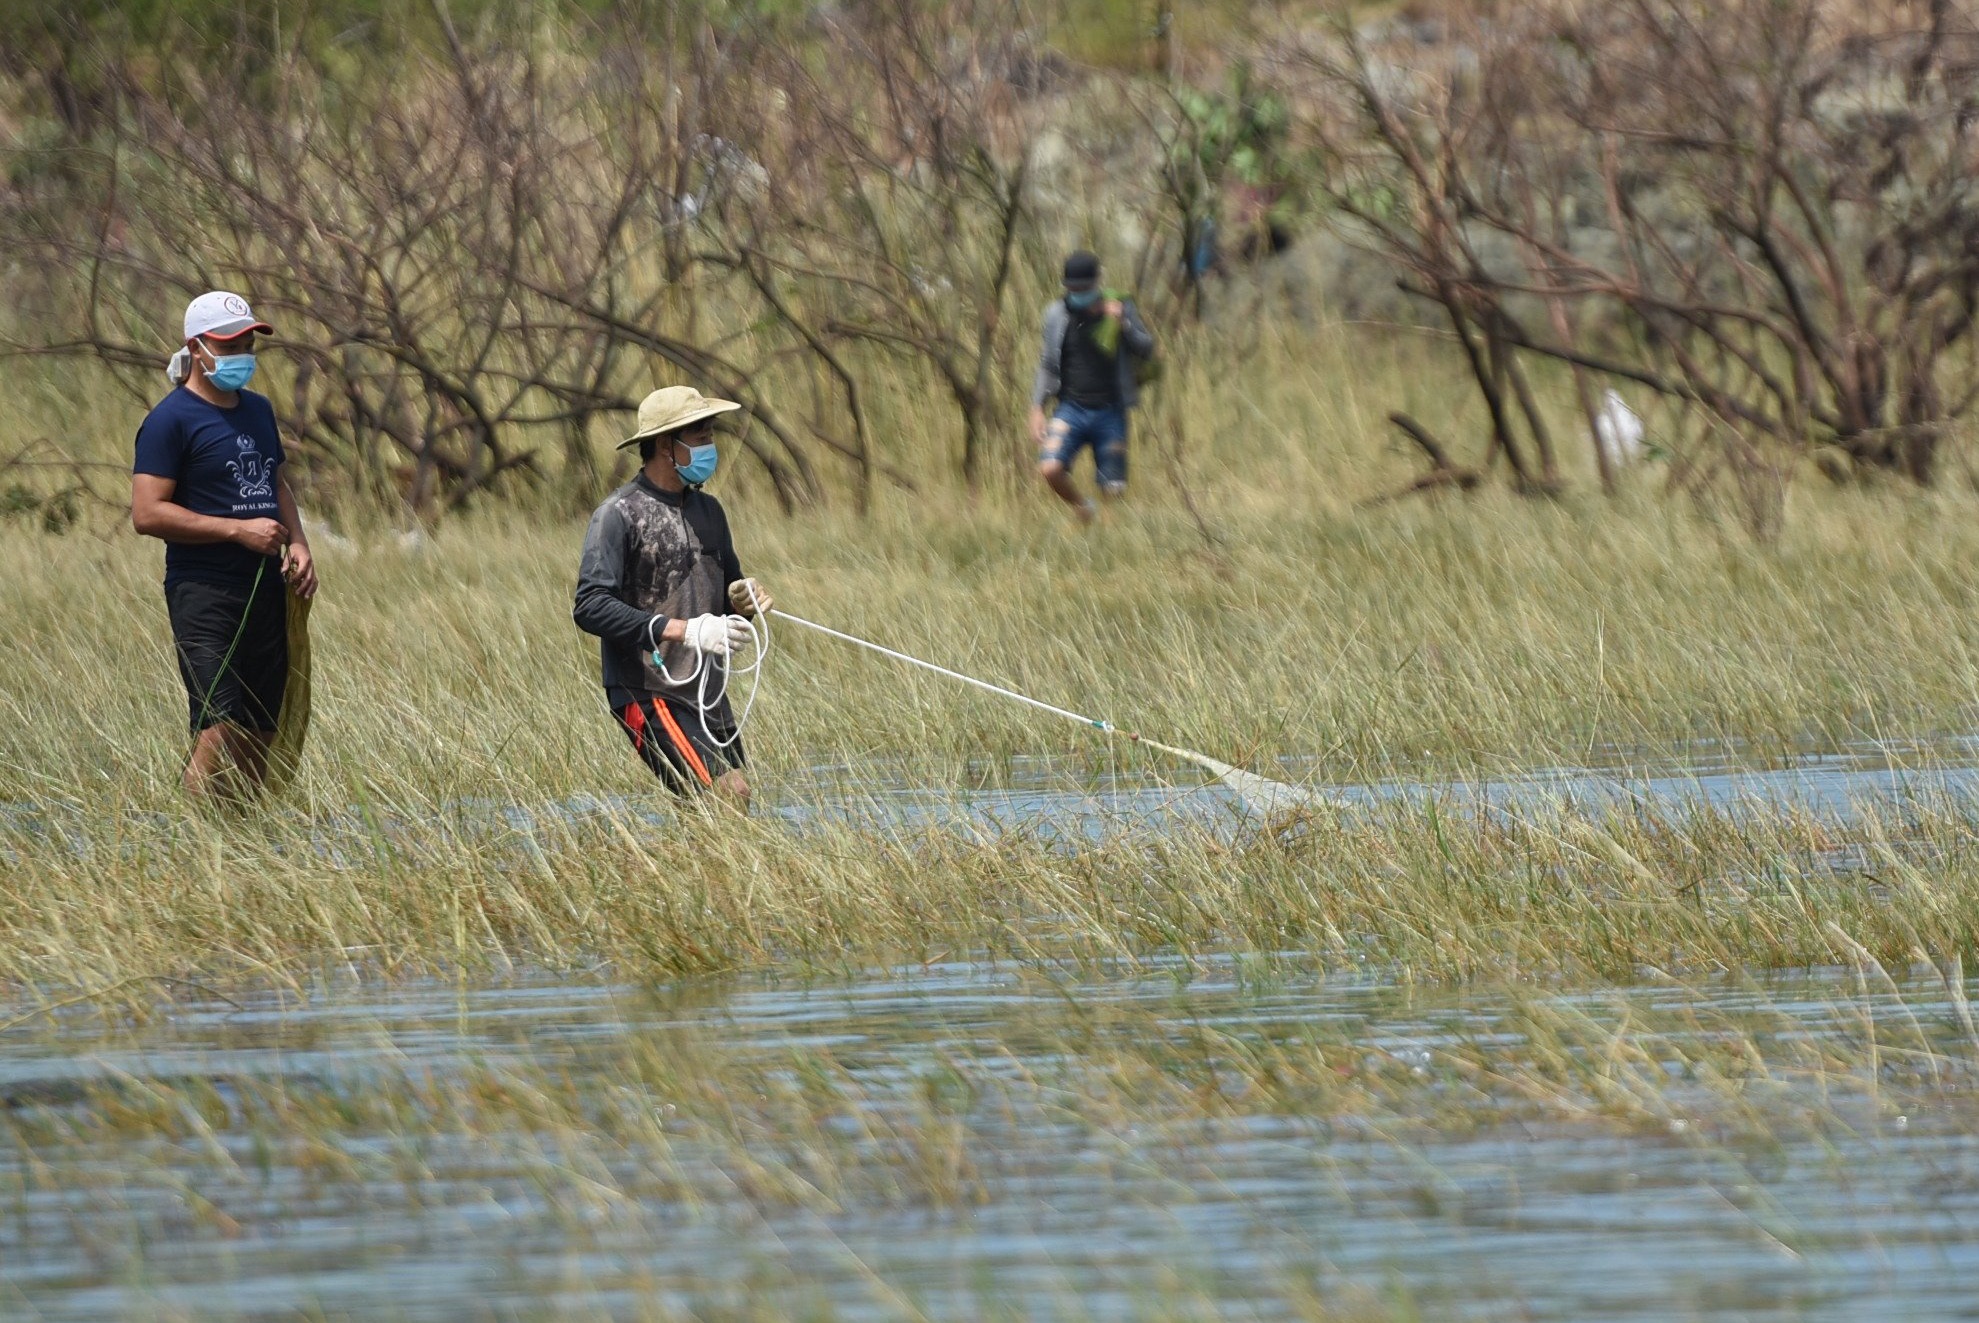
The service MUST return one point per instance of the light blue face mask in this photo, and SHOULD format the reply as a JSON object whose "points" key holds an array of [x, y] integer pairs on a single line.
{"points": [[1080, 300], [231, 371], [700, 465]]}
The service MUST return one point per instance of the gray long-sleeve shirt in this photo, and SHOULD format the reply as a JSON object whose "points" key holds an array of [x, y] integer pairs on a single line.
{"points": [[1136, 342], [650, 557]]}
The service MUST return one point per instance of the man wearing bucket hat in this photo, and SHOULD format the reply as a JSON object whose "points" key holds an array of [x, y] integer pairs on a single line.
{"points": [[208, 482], [657, 581], [1094, 344]]}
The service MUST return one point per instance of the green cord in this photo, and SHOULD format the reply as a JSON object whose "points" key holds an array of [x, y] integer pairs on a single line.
{"points": [[206, 703]]}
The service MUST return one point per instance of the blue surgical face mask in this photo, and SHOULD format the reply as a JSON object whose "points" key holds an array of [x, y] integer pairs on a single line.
{"points": [[230, 371], [1080, 300], [700, 465]]}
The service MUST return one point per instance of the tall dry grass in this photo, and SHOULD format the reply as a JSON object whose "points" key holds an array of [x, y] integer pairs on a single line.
{"points": [[1425, 640]]}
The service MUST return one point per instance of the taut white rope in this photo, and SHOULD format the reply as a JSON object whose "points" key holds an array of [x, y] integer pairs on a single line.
{"points": [[1260, 792], [1094, 722]]}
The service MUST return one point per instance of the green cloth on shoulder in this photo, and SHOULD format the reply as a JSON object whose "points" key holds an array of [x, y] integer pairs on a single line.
{"points": [[1107, 336]]}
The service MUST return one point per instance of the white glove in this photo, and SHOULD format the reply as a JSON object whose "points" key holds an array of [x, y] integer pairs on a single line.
{"points": [[715, 634]]}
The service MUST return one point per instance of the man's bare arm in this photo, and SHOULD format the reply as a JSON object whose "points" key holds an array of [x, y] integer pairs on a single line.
{"points": [[155, 514]]}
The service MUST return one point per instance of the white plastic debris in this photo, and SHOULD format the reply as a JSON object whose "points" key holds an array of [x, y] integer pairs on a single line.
{"points": [[1618, 431], [323, 537]]}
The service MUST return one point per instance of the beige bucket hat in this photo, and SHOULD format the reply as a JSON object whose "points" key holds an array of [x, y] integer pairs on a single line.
{"points": [[673, 407]]}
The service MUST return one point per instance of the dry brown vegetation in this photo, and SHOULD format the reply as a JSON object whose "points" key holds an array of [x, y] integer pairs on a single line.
{"points": [[484, 248], [1761, 211]]}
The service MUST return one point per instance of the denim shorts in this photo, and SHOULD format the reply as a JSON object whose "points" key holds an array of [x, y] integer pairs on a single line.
{"points": [[1074, 427]]}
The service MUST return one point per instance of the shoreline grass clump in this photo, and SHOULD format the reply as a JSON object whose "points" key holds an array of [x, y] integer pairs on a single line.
{"points": [[1404, 891]]}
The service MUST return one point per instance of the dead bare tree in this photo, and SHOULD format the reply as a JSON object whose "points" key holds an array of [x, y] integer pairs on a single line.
{"points": [[1762, 211], [898, 213], [455, 257], [481, 252]]}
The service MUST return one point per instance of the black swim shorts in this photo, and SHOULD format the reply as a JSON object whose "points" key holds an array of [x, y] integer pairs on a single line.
{"points": [[233, 646], [667, 735]]}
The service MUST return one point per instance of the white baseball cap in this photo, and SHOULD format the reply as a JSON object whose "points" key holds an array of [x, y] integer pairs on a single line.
{"points": [[218, 313], [222, 315]]}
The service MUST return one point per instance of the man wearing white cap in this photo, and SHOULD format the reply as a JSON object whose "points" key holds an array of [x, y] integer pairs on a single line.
{"points": [[658, 578], [208, 482]]}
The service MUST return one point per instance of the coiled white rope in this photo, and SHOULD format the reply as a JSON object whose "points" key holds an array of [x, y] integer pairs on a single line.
{"points": [[719, 670]]}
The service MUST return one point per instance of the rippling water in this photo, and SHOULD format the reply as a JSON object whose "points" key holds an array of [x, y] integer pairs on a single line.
{"points": [[1506, 1211], [968, 1140]]}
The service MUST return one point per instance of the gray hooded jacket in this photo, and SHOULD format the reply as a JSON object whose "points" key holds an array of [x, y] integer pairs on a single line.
{"points": [[1136, 342]]}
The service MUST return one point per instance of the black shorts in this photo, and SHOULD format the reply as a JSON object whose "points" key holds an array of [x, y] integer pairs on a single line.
{"points": [[667, 735], [233, 646]]}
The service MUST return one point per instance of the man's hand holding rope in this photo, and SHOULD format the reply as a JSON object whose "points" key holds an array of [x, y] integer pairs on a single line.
{"points": [[749, 599]]}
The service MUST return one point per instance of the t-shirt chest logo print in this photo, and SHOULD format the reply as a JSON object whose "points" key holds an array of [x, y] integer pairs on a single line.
{"points": [[250, 470]]}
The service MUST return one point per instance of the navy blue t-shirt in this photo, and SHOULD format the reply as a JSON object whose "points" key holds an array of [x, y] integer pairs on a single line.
{"points": [[224, 461]]}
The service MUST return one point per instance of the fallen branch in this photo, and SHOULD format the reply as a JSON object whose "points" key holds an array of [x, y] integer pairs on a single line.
{"points": [[1442, 474]]}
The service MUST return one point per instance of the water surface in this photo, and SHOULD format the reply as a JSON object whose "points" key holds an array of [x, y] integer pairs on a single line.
{"points": [[1844, 1193], [1209, 1138]]}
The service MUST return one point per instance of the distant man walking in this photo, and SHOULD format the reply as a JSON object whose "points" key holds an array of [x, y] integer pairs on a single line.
{"points": [[658, 578], [1092, 342], [208, 482]]}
